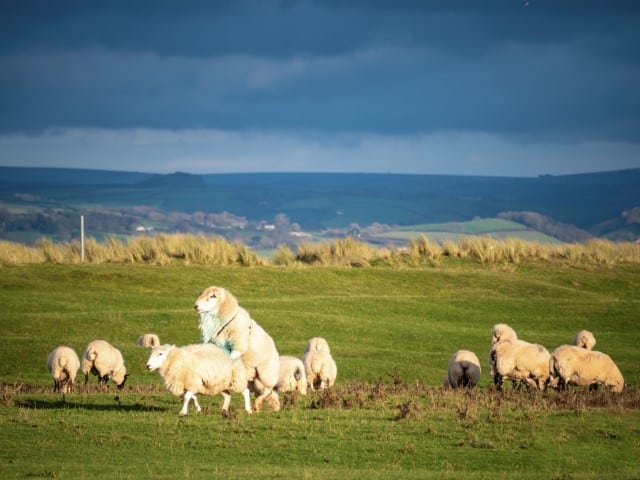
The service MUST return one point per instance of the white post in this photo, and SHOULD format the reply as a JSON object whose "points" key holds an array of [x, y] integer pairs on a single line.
{"points": [[82, 238]]}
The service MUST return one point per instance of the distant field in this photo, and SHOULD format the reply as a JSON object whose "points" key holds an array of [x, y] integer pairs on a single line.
{"points": [[391, 332], [454, 231]]}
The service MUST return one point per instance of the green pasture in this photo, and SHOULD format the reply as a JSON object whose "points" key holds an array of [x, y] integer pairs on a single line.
{"points": [[391, 331]]}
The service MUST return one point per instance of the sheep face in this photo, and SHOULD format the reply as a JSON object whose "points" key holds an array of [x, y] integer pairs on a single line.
{"points": [[210, 300], [158, 357]]}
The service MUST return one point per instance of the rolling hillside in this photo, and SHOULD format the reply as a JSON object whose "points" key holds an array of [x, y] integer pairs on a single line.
{"points": [[568, 208]]}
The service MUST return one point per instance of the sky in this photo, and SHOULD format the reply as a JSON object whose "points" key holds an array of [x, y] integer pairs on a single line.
{"points": [[461, 87]]}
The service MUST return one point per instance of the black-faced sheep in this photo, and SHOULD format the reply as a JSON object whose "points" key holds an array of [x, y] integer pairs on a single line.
{"points": [[201, 368], [571, 365], [463, 370], [104, 360], [226, 324], [584, 339], [63, 365], [319, 365], [292, 375], [148, 340]]}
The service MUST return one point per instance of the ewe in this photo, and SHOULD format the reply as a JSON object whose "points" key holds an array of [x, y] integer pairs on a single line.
{"points": [[584, 339], [571, 365], [500, 331], [148, 340], [319, 365], [200, 368], [104, 360], [520, 361], [226, 324], [63, 365], [463, 370], [292, 375]]}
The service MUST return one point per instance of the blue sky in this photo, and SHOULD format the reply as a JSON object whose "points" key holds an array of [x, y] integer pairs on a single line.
{"points": [[508, 88]]}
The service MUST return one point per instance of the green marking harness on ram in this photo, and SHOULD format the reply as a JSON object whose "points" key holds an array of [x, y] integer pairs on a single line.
{"points": [[211, 325]]}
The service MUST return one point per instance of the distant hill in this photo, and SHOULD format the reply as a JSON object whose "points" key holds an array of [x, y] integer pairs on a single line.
{"points": [[69, 176], [570, 206], [174, 180]]}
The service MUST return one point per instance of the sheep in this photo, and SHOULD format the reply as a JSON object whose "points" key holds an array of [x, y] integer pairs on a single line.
{"points": [[63, 365], [225, 323], [200, 368], [148, 340], [520, 361], [463, 370], [500, 331], [104, 360], [572, 365], [584, 339], [319, 365], [292, 375], [317, 344]]}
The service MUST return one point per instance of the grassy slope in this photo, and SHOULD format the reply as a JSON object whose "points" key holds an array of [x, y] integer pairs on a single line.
{"points": [[396, 325]]}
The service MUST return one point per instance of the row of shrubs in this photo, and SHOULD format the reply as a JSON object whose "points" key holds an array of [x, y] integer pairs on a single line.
{"points": [[216, 251]]}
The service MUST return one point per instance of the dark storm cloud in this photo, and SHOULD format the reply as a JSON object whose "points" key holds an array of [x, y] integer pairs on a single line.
{"points": [[550, 69]]}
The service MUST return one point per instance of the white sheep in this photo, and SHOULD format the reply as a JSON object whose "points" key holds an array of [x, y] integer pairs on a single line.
{"points": [[63, 365], [104, 360], [200, 368], [292, 375], [520, 361], [319, 365], [148, 340], [584, 339], [225, 323], [571, 365], [500, 331], [463, 370], [317, 344]]}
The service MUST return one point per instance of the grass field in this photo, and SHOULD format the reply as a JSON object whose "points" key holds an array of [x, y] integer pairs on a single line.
{"points": [[391, 331], [455, 231]]}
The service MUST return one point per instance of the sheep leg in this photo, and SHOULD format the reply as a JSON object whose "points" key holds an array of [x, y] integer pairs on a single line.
{"points": [[247, 400], [185, 405], [226, 403], [497, 381], [275, 402]]}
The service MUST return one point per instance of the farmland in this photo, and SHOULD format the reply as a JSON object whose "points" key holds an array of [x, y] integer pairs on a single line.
{"points": [[391, 330]]}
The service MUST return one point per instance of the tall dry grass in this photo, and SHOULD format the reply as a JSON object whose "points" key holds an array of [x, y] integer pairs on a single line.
{"points": [[156, 250], [216, 251]]}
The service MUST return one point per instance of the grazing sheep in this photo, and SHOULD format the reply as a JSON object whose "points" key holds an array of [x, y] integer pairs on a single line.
{"points": [[292, 375], [317, 344], [200, 368], [104, 360], [225, 323], [148, 340], [63, 365], [500, 331], [463, 370], [571, 365], [319, 365], [584, 339], [520, 361]]}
